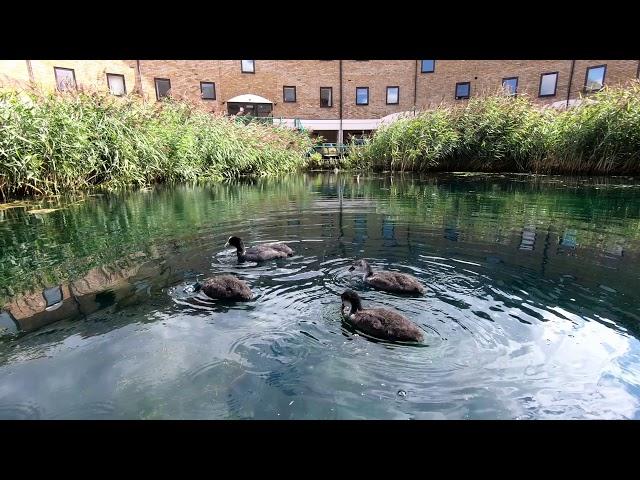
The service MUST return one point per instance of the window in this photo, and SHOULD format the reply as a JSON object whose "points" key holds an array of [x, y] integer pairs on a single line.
{"points": [[65, 78], [428, 66], [289, 94], [248, 66], [163, 87], [264, 109], [393, 95], [548, 84], [326, 97], [208, 90], [116, 84], [594, 80], [510, 85], [463, 90], [362, 95]]}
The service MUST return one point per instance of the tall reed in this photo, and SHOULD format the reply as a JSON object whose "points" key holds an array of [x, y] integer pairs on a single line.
{"points": [[52, 143], [511, 134]]}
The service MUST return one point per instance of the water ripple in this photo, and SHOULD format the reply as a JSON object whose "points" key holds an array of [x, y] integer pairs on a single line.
{"points": [[531, 309]]}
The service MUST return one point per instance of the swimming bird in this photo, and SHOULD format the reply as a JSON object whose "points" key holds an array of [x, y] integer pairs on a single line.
{"points": [[259, 253], [378, 322], [225, 287], [394, 282]]}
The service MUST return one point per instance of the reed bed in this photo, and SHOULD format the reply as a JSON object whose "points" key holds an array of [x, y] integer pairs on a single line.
{"points": [[55, 143], [498, 133]]}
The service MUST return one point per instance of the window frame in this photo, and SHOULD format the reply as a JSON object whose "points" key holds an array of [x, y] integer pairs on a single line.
{"points": [[397, 102], [242, 70], [155, 84], [295, 94], [515, 93], [331, 90], [422, 70], [455, 92], [214, 90], [555, 86], [55, 76], [586, 78], [124, 83], [362, 104]]}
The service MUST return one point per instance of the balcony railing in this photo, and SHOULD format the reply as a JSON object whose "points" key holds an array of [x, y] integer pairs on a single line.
{"points": [[246, 119]]}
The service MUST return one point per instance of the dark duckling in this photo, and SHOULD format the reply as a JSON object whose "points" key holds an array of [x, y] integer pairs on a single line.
{"points": [[225, 287], [259, 253], [394, 282], [378, 322]]}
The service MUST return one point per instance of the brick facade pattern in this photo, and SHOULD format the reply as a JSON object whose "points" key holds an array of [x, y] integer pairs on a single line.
{"points": [[422, 90]]}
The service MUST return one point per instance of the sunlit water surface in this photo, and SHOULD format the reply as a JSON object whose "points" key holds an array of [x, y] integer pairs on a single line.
{"points": [[532, 310]]}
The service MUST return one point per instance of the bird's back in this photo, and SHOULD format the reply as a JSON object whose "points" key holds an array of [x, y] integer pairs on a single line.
{"points": [[261, 253], [281, 247], [385, 323], [395, 282], [226, 287]]}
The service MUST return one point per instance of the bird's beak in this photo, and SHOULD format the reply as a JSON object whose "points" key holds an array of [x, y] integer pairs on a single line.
{"points": [[352, 268], [226, 245]]}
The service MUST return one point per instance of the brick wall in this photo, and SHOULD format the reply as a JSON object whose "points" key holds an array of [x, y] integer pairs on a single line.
{"points": [[185, 77], [268, 81], [270, 76], [485, 76], [90, 74], [377, 75], [617, 72]]}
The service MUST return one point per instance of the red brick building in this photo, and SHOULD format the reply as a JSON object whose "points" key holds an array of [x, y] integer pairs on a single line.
{"points": [[335, 98]]}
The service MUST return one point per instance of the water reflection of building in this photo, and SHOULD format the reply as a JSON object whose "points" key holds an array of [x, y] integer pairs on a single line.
{"points": [[548, 252], [389, 232], [117, 284], [568, 242], [451, 233], [613, 249], [569, 238], [528, 238], [328, 225], [360, 229]]}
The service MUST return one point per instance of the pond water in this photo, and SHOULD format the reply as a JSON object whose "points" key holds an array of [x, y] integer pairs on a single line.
{"points": [[532, 309]]}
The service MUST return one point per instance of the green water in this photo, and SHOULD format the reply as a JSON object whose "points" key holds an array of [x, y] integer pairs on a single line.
{"points": [[532, 310]]}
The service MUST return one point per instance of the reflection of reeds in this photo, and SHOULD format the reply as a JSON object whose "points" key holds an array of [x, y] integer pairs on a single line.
{"points": [[43, 250], [58, 143], [502, 133], [547, 202]]}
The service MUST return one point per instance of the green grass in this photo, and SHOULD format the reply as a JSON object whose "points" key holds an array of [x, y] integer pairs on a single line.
{"points": [[506, 134], [52, 143]]}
